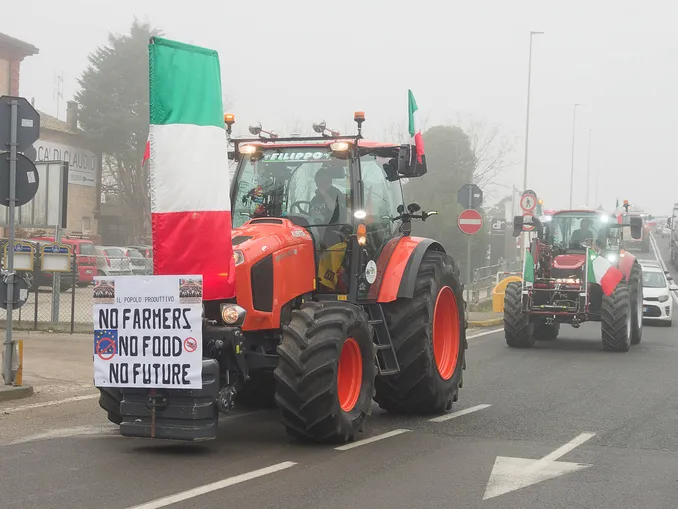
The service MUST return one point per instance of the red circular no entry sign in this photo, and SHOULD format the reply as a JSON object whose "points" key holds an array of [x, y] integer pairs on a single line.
{"points": [[470, 221]]}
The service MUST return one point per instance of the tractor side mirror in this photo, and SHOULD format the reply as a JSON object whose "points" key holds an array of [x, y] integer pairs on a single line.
{"points": [[408, 166], [517, 225], [636, 225]]}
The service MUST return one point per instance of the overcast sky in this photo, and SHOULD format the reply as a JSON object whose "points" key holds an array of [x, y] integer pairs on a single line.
{"points": [[302, 61]]}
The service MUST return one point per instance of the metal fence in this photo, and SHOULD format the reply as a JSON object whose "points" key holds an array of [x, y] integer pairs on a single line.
{"points": [[64, 302], [484, 280]]}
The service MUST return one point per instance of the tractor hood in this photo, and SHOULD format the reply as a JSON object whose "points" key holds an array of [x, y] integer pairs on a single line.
{"points": [[262, 236], [569, 261]]}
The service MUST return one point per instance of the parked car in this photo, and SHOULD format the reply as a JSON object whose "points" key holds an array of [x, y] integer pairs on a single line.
{"points": [[112, 261], [138, 261], [657, 299], [85, 258], [147, 253]]}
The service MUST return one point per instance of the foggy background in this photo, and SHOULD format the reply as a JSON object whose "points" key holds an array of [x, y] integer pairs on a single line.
{"points": [[288, 64]]}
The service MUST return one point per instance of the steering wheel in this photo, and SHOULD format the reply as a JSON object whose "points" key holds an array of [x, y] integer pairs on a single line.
{"points": [[298, 205]]}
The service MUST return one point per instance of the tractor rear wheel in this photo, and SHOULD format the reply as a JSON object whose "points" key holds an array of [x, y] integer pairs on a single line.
{"points": [[109, 400], [429, 337], [516, 323], [545, 332], [325, 375], [617, 319], [636, 288]]}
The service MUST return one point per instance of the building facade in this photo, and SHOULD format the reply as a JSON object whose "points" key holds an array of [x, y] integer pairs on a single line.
{"points": [[12, 53]]}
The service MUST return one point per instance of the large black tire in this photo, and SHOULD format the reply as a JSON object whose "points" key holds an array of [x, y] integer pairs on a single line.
{"points": [[109, 400], [421, 386], [636, 288], [516, 323], [309, 381], [544, 332], [616, 319]]}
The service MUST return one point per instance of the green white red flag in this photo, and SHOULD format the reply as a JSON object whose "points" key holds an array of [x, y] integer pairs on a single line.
{"points": [[601, 271], [416, 136], [188, 154]]}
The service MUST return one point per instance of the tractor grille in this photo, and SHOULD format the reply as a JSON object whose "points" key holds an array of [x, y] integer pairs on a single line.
{"points": [[262, 284]]}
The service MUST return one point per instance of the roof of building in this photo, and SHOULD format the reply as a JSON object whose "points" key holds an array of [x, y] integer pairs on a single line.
{"points": [[18, 46], [54, 124]]}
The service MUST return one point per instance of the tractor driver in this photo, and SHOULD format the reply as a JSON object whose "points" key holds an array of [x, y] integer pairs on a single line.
{"points": [[584, 232], [328, 205]]}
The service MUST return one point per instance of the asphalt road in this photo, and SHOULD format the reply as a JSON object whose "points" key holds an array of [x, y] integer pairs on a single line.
{"points": [[602, 425]]}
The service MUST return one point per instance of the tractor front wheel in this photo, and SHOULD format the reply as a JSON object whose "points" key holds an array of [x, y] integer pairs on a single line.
{"points": [[325, 375], [516, 323], [636, 288], [429, 337], [617, 319]]}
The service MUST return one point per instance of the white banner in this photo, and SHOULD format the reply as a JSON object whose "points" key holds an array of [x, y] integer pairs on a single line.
{"points": [[148, 332]]}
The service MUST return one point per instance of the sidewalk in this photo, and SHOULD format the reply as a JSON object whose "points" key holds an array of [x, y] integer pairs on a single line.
{"points": [[485, 319], [56, 365]]}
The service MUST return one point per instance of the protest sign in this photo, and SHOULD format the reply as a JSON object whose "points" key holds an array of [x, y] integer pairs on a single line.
{"points": [[148, 332]]}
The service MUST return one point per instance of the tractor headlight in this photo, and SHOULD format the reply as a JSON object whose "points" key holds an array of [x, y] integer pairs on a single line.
{"points": [[238, 257], [232, 314], [612, 257], [663, 298]]}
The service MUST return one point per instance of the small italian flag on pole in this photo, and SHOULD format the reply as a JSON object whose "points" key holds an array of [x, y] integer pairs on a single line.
{"points": [[528, 269], [600, 271], [417, 139], [188, 157], [618, 212]]}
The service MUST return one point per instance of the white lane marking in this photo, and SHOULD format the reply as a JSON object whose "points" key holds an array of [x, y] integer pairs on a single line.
{"points": [[21, 408], [208, 488], [459, 413], [68, 433], [660, 260], [563, 450], [370, 440], [510, 474], [484, 333]]}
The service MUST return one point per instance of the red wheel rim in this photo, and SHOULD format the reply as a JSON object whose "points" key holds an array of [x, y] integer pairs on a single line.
{"points": [[349, 375], [446, 333]]}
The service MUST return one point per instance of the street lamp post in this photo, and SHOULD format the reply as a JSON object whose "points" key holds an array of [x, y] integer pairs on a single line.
{"points": [[527, 120], [574, 123], [588, 171]]}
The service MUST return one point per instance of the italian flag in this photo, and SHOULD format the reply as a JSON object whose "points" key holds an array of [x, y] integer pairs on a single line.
{"points": [[528, 268], [618, 212], [415, 127], [190, 205], [600, 271]]}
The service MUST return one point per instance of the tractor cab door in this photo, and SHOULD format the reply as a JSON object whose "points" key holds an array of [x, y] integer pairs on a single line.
{"points": [[380, 201]]}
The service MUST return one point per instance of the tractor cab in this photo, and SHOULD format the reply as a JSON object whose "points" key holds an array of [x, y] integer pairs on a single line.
{"points": [[344, 191]]}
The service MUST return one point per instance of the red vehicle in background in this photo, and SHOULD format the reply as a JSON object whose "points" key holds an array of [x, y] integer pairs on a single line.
{"points": [[85, 258]]}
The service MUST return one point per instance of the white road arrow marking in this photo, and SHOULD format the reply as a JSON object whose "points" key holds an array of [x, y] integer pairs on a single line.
{"points": [[510, 474]]}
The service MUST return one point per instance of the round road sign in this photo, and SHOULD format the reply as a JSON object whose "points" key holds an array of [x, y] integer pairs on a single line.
{"points": [[470, 221], [528, 202]]}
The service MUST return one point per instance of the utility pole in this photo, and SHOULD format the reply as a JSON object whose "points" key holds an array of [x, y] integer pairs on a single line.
{"points": [[574, 123]]}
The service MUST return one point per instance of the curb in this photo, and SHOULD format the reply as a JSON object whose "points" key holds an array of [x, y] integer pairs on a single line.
{"points": [[492, 322], [9, 392]]}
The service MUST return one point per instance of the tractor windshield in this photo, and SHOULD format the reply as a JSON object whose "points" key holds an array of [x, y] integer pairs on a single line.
{"points": [[308, 184], [576, 230]]}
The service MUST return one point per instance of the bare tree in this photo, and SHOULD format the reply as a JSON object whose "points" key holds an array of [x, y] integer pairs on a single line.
{"points": [[491, 147]]}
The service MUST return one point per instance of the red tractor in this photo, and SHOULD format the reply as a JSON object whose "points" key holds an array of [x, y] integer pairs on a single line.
{"points": [[562, 289], [336, 302]]}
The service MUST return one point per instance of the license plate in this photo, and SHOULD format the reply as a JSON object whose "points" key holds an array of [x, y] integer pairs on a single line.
{"points": [[88, 272]]}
